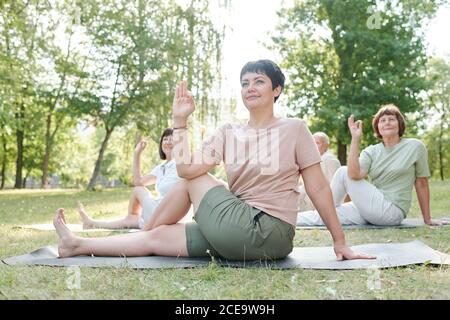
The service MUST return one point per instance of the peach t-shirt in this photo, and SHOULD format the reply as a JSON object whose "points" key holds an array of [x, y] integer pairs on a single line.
{"points": [[263, 166]]}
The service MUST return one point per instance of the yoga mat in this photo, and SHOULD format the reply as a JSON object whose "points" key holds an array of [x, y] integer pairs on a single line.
{"points": [[73, 227], [79, 227], [388, 255], [406, 224]]}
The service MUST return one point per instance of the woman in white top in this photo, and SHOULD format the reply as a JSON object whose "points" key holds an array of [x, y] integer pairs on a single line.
{"points": [[142, 204]]}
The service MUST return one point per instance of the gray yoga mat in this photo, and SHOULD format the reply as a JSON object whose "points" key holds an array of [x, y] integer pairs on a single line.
{"points": [[388, 255], [406, 224]]}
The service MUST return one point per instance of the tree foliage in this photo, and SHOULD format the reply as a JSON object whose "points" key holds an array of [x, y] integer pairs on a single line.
{"points": [[350, 57], [437, 104]]}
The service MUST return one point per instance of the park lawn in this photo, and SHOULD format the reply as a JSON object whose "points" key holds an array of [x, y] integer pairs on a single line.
{"points": [[212, 282]]}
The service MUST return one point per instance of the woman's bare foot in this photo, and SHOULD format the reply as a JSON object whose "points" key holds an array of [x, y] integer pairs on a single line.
{"points": [[67, 241], [88, 223]]}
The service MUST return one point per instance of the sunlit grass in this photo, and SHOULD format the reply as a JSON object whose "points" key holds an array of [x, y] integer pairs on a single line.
{"points": [[211, 282]]}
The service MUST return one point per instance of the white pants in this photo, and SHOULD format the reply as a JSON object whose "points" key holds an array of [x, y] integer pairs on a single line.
{"points": [[368, 204], [148, 206]]}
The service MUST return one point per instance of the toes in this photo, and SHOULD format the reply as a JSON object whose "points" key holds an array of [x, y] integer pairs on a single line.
{"points": [[60, 215]]}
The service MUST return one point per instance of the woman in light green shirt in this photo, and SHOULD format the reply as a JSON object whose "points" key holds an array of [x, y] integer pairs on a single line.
{"points": [[393, 167]]}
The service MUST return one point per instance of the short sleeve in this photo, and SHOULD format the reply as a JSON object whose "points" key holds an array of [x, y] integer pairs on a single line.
{"points": [[156, 171], [306, 150], [212, 148], [365, 159], [422, 169]]}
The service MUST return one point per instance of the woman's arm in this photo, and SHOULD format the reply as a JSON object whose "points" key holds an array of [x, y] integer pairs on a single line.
{"points": [[423, 196], [318, 190], [188, 166], [354, 170], [138, 179]]}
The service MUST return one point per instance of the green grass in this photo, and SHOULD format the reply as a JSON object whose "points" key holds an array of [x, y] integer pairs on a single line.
{"points": [[212, 282]]}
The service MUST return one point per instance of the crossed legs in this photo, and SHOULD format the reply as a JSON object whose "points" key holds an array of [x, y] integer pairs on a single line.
{"points": [[162, 234], [130, 221], [368, 204]]}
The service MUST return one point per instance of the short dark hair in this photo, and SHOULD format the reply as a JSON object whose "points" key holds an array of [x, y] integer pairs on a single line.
{"points": [[267, 67], [388, 109], [166, 132]]}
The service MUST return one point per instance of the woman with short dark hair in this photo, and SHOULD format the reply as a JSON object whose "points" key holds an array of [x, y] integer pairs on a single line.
{"points": [[254, 216]]}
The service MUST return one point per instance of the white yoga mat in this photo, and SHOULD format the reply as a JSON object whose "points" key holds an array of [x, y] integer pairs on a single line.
{"points": [[79, 227], [73, 227], [406, 224]]}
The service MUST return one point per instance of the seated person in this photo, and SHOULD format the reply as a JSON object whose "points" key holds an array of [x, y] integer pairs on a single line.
{"points": [[394, 166], [142, 204], [329, 166], [254, 217]]}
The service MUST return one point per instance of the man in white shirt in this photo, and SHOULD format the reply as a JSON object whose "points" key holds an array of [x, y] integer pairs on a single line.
{"points": [[329, 166]]}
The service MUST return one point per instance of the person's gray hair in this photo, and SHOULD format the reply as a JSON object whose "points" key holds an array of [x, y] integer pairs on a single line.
{"points": [[323, 136]]}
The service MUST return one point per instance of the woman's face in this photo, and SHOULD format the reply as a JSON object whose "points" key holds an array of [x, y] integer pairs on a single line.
{"points": [[256, 90], [167, 145], [388, 126]]}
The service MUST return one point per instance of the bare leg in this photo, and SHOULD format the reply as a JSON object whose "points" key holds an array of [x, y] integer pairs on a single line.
{"points": [[164, 240], [134, 205], [184, 193], [128, 222]]}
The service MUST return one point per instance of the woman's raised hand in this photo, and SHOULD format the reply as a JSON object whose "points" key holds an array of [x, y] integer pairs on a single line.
{"points": [[183, 103], [355, 127], [140, 146]]}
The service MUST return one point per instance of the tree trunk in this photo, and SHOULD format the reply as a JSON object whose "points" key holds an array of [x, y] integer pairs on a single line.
{"points": [[49, 137], [342, 153], [3, 170], [44, 179], [441, 160], [24, 182], [101, 153], [19, 139]]}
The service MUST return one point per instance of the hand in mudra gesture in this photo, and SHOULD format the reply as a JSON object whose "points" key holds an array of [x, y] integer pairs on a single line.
{"points": [[183, 103], [355, 127], [140, 146]]}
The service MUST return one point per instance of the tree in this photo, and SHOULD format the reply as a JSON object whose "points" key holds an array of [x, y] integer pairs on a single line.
{"points": [[191, 50], [438, 99], [67, 80], [22, 42], [350, 57], [145, 48]]}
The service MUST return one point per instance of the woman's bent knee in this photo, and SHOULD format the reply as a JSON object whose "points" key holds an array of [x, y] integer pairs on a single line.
{"points": [[139, 190]]}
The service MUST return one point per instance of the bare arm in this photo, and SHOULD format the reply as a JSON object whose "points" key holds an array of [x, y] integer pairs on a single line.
{"points": [[138, 179], [354, 170], [188, 166], [423, 196], [318, 189]]}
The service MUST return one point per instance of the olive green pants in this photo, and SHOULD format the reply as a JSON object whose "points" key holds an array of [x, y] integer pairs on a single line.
{"points": [[230, 228]]}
